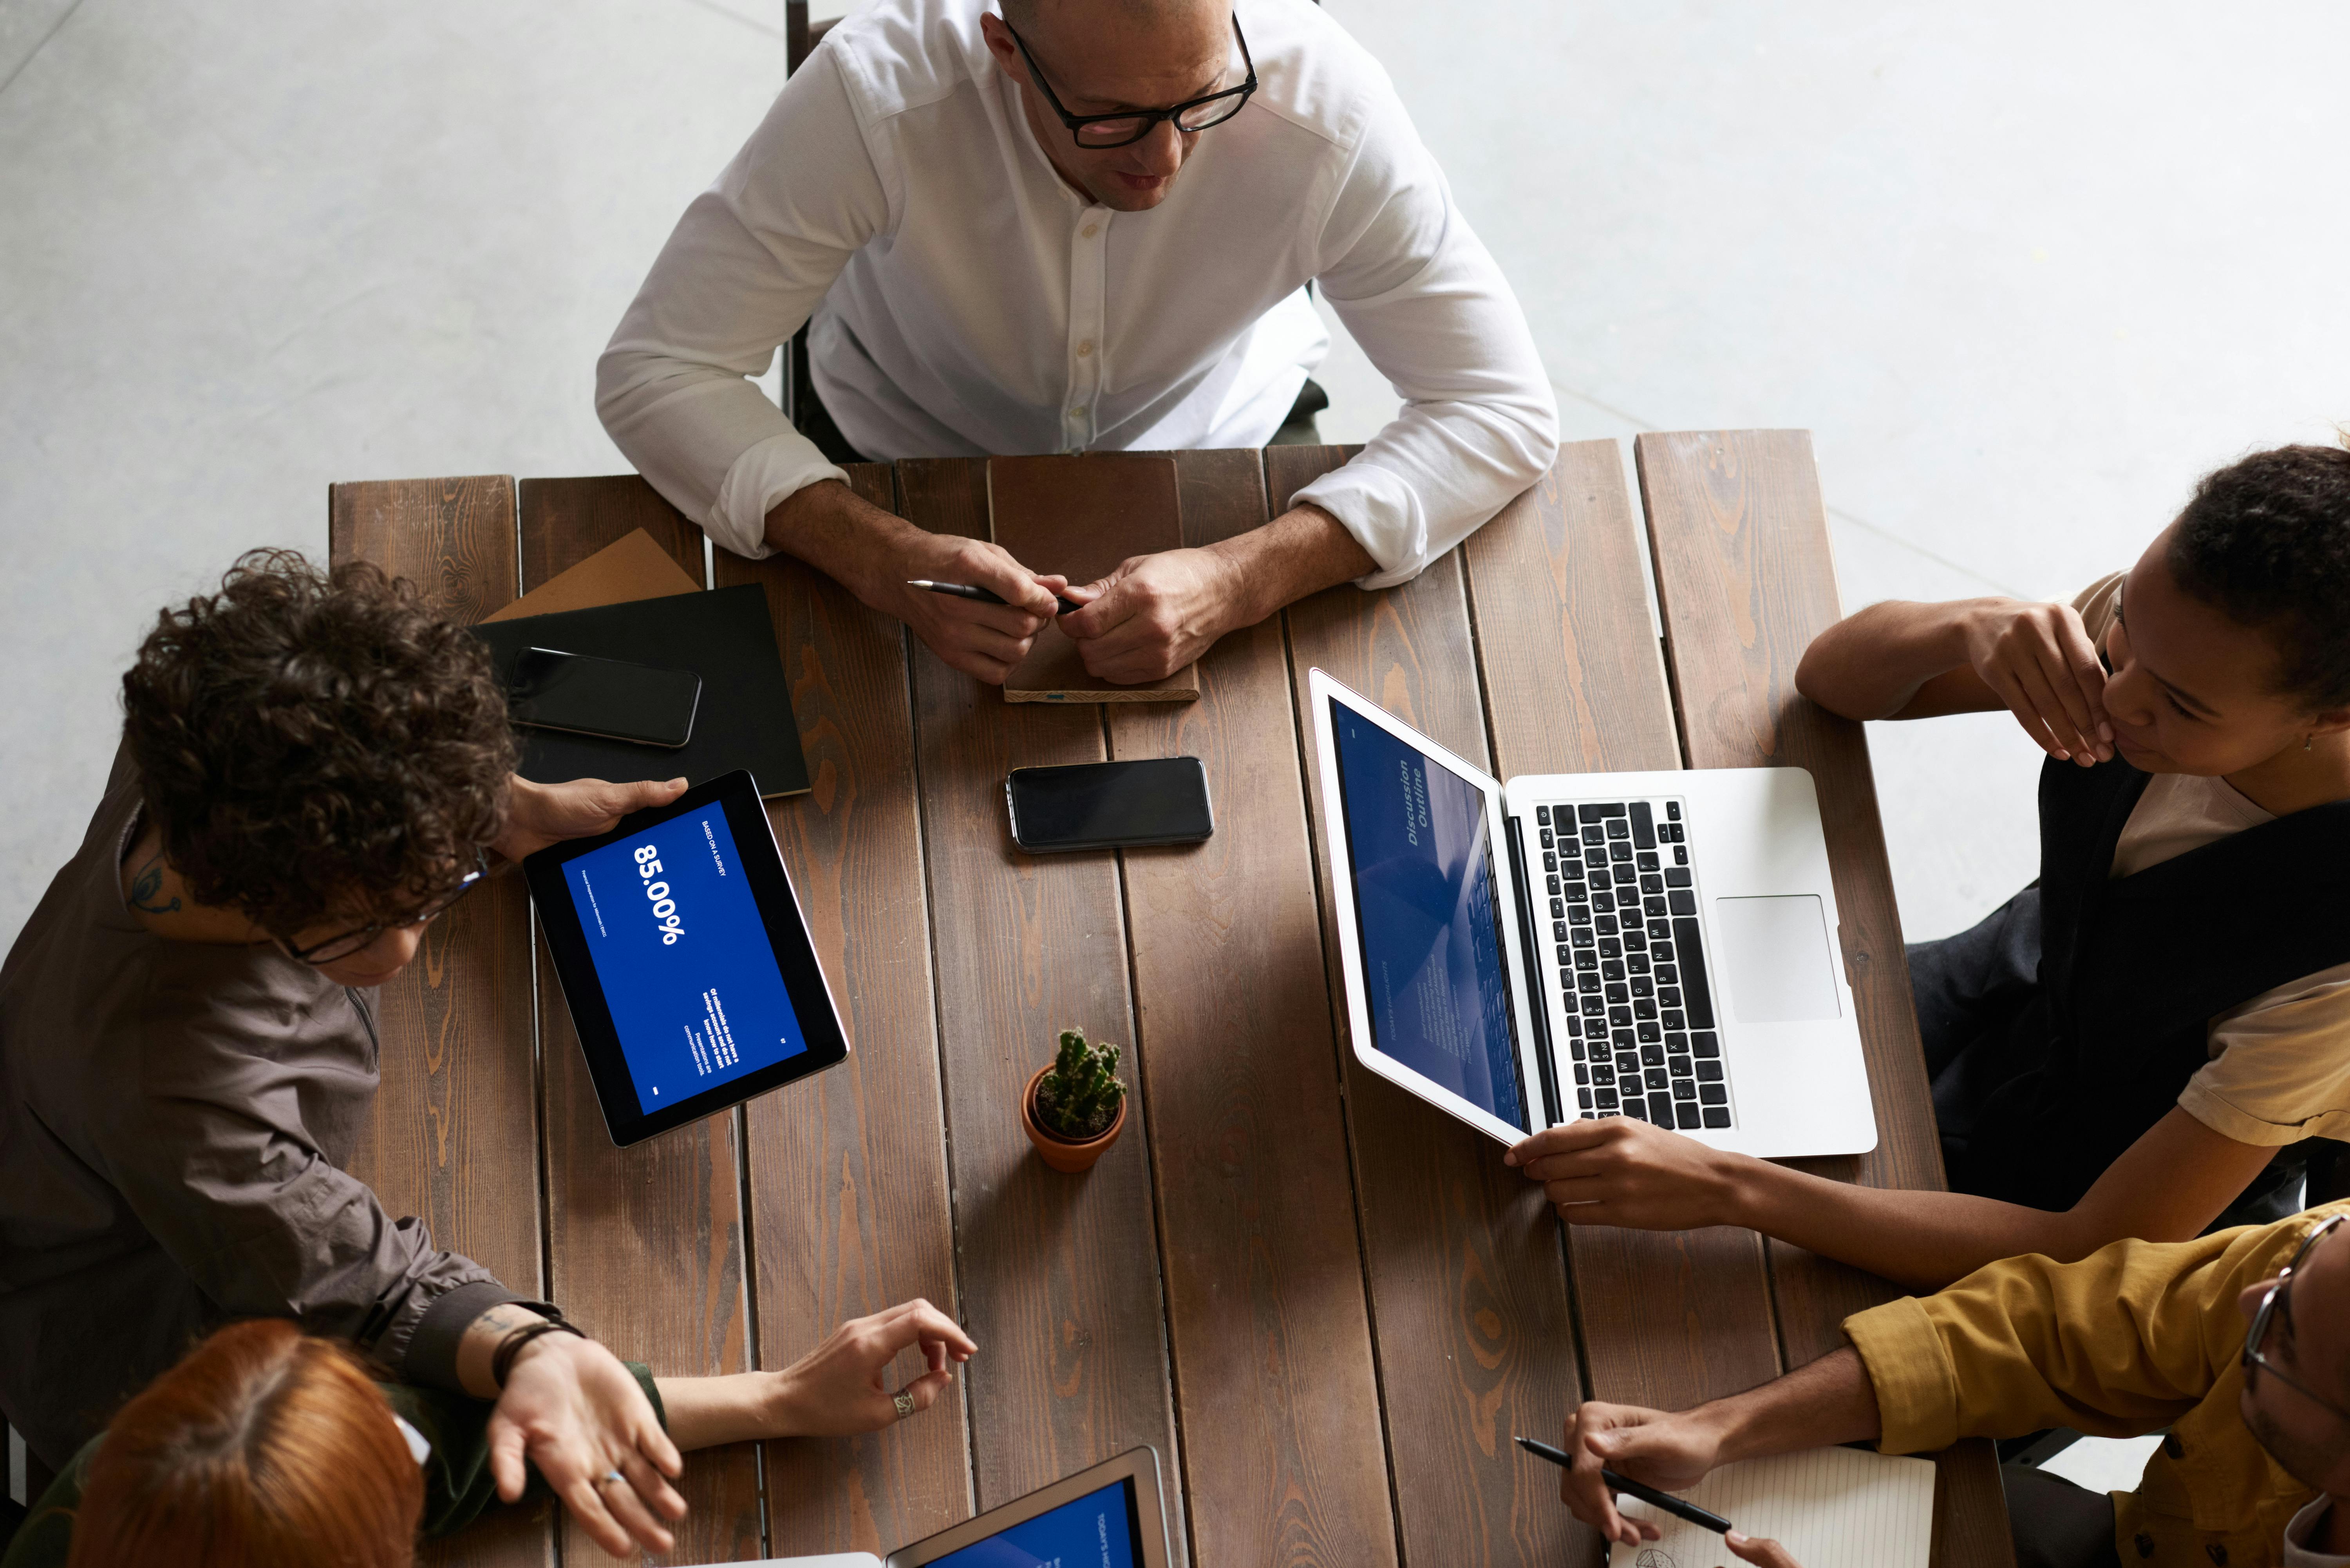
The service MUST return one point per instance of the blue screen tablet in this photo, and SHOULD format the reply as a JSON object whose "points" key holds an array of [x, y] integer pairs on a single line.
{"points": [[675, 936], [682, 951]]}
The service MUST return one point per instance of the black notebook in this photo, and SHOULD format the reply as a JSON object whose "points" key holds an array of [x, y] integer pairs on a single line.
{"points": [[724, 635]]}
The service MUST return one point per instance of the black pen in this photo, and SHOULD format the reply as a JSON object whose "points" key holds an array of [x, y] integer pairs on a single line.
{"points": [[1631, 1487], [985, 595]]}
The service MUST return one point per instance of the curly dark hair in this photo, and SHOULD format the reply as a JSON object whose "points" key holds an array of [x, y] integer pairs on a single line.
{"points": [[2266, 541], [316, 745]]}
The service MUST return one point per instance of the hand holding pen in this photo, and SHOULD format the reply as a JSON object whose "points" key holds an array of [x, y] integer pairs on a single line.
{"points": [[986, 629]]}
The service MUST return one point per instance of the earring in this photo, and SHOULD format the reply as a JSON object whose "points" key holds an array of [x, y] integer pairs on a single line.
{"points": [[2304, 742]]}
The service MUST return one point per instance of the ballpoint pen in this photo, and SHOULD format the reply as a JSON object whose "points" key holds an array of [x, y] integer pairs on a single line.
{"points": [[1630, 1488], [985, 595]]}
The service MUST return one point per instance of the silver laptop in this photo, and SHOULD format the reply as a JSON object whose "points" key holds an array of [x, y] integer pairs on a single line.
{"points": [[1659, 945], [1109, 1515]]}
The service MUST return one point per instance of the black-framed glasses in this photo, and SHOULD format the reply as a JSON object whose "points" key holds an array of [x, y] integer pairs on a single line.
{"points": [[2279, 1303], [350, 942], [1130, 126]]}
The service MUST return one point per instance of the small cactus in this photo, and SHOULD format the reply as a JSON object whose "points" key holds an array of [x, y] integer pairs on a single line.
{"points": [[1078, 1097]]}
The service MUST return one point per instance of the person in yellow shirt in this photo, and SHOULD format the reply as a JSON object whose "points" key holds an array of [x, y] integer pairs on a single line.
{"points": [[2239, 1342]]}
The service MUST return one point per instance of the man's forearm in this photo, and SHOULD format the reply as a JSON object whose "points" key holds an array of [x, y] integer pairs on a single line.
{"points": [[841, 535], [1829, 1402], [1301, 552]]}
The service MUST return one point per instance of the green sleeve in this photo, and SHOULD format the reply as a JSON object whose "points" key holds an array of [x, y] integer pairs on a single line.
{"points": [[458, 1487], [47, 1535]]}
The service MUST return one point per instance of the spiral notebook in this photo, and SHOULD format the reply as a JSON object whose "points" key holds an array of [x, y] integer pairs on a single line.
{"points": [[1831, 1508]]}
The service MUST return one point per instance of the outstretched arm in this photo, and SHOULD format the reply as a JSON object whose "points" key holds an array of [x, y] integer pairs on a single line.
{"points": [[1829, 1402], [2165, 1186], [840, 1388]]}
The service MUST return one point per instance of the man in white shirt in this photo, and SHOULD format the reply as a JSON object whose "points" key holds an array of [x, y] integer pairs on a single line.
{"points": [[1085, 225]]}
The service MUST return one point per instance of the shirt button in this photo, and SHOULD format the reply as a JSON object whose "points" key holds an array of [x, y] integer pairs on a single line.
{"points": [[1090, 230], [1085, 349], [1078, 412]]}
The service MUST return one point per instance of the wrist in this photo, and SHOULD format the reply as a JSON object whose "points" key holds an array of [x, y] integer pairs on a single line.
{"points": [[783, 1404], [848, 539], [524, 800]]}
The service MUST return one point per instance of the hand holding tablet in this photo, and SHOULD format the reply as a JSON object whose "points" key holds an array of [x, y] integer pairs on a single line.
{"points": [[680, 948]]}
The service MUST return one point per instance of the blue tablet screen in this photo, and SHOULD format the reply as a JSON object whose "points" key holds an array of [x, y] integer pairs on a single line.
{"points": [[1423, 863], [1095, 1532], [674, 930]]}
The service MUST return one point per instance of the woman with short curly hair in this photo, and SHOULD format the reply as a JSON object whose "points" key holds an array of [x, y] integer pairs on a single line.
{"points": [[314, 765]]}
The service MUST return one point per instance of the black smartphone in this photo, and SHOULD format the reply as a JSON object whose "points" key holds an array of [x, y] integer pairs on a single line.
{"points": [[552, 689], [1102, 805]]}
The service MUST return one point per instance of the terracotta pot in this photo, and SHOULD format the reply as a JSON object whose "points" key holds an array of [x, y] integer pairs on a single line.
{"points": [[1059, 1152]]}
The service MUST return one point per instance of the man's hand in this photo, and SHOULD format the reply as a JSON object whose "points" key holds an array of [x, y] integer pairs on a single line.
{"points": [[1769, 1553], [981, 639], [1156, 614], [842, 1385], [1673, 1452], [2040, 661], [1619, 1170], [574, 1411], [539, 814]]}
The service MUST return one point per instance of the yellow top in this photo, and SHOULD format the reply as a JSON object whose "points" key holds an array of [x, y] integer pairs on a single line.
{"points": [[2133, 1338]]}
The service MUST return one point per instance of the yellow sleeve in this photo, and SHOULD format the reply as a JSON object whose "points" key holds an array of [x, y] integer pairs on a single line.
{"points": [[2126, 1341]]}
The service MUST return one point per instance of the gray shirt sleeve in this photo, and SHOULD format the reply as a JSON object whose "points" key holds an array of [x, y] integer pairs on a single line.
{"points": [[214, 1153]]}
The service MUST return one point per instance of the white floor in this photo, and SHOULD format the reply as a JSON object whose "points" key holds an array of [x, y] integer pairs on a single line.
{"points": [[2023, 270]]}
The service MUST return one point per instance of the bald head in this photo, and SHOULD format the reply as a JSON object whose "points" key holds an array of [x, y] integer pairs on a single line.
{"points": [[1099, 57], [1034, 16]]}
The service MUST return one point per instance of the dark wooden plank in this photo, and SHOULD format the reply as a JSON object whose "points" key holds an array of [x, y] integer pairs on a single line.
{"points": [[453, 1134], [1060, 1275], [849, 1199], [1474, 1331], [1574, 683], [1266, 1315], [1745, 579], [645, 1244]]}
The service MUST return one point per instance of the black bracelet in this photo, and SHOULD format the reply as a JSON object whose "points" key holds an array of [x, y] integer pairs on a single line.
{"points": [[502, 1360]]}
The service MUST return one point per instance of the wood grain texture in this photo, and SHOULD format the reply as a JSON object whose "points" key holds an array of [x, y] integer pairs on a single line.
{"points": [[1745, 579], [849, 1196], [1060, 1278], [646, 1243], [1266, 1313], [1475, 1334], [1574, 682], [454, 1135]]}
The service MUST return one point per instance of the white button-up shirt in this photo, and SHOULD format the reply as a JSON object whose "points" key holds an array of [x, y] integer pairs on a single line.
{"points": [[963, 300]]}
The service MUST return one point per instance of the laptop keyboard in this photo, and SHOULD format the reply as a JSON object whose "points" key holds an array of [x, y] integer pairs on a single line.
{"points": [[1615, 881]]}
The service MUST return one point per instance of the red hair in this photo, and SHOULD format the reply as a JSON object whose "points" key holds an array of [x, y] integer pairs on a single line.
{"points": [[263, 1449]]}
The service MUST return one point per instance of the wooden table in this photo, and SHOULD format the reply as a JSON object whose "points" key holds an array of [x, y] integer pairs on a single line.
{"points": [[1326, 1304]]}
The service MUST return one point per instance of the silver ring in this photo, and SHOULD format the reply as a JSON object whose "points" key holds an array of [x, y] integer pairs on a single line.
{"points": [[609, 1477], [905, 1403]]}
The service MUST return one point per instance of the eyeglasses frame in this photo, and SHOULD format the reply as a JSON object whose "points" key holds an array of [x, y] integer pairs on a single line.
{"points": [[1151, 117], [2278, 1298], [368, 934]]}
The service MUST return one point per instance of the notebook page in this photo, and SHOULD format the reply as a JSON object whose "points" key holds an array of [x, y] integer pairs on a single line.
{"points": [[1831, 1508]]}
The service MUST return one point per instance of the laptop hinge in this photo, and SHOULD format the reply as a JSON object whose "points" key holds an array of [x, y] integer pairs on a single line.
{"points": [[1537, 1008]]}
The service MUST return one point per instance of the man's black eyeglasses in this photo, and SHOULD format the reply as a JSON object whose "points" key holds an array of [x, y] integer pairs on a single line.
{"points": [[350, 942], [1130, 126], [2279, 1303]]}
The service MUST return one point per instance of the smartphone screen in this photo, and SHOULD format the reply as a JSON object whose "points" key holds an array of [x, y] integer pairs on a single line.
{"points": [[552, 689], [1096, 805]]}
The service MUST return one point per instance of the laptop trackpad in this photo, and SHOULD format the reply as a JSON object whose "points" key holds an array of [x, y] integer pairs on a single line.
{"points": [[1774, 955]]}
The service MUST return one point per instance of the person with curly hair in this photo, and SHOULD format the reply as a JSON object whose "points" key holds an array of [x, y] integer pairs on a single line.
{"points": [[2154, 1037], [314, 765]]}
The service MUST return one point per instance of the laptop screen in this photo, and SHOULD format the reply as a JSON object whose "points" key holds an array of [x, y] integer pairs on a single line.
{"points": [[1099, 1527], [683, 958], [1421, 846]]}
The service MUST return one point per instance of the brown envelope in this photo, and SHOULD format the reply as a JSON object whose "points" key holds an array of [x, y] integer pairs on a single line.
{"points": [[1080, 516], [630, 569]]}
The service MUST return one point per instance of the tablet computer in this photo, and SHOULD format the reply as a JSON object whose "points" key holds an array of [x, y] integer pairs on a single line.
{"points": [[680, 945], [1110, 1514]]}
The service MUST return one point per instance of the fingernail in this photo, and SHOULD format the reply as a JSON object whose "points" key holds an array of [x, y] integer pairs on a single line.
{"points": [[1735, 1538], [2106, 731], [1510, 1158]]}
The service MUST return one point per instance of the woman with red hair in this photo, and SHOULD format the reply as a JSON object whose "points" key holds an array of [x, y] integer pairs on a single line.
{"points": [[265, 1448]]}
